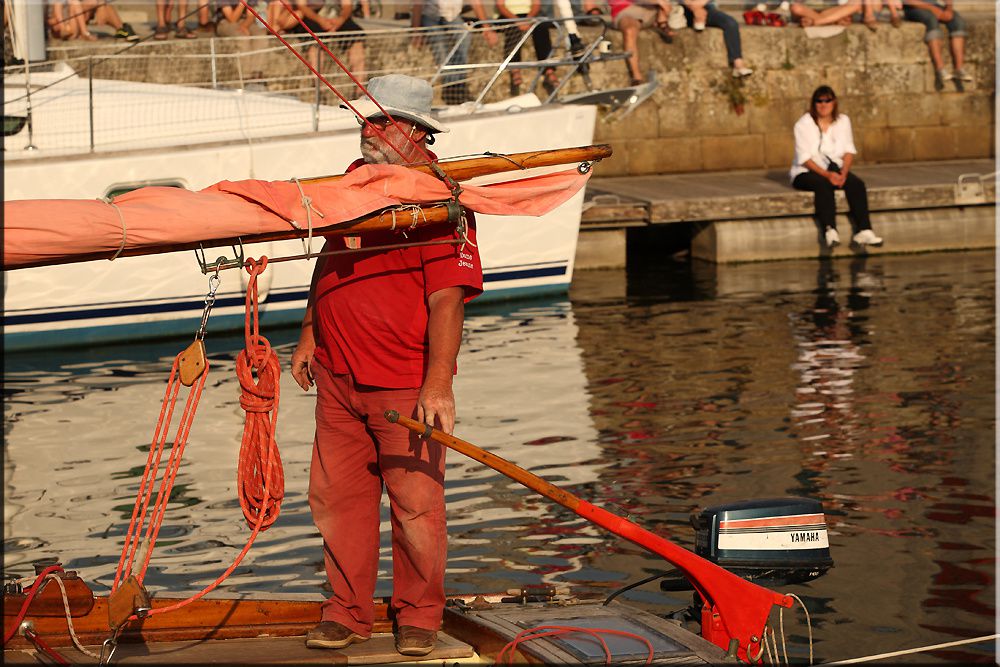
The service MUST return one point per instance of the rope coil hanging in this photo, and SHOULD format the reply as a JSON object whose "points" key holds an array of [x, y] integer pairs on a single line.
{"points": [[260, 480]]}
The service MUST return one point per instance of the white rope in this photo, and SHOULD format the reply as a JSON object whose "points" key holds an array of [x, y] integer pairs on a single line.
{"points": [[922, 649], [69, 618], [121, 217], [809, 626], [307, 204], [465, 232], [414, 209], [766, 648]]}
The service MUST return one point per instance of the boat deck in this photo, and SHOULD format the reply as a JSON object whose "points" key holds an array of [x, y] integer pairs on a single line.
{"points": [[476, 630], [379, 650]]}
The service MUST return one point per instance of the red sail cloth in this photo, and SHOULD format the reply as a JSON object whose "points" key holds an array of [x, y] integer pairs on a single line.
{"points": [[36, 231]]}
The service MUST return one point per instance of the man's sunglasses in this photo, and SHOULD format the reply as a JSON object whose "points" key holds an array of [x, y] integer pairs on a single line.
{"points": [[825, 100], [381, 122]]}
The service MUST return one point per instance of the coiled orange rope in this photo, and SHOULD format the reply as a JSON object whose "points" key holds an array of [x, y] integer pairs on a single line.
{"points": [[260, 480]]}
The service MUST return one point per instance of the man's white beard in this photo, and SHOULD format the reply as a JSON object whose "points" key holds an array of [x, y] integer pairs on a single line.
{"points": [[376, 151]]}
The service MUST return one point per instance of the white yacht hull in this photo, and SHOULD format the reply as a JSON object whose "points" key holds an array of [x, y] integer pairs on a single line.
{"points": [[156, 296]]}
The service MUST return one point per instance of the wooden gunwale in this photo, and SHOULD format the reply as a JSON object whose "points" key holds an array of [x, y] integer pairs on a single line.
{"points": [[204, 619]]}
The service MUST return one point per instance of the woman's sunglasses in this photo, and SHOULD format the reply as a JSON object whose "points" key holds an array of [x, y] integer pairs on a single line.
{"points": [[825, 100]]}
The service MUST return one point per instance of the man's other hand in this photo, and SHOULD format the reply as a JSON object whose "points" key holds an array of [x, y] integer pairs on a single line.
{"points": [[436, 405], [302, 367]]}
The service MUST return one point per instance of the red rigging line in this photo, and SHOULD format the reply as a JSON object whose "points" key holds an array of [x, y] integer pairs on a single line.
{"points": [[333, 88]]}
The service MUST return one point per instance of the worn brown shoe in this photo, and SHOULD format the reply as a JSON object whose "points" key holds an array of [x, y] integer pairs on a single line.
{"points": [[411, 640], [330, 634]]}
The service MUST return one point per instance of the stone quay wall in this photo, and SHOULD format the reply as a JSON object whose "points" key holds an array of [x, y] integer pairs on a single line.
{"points": [[884, 81]]}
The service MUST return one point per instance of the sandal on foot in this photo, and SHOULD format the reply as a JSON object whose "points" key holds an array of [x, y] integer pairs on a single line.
{"points": [[184, 33], [663, 30], [161, 32]]}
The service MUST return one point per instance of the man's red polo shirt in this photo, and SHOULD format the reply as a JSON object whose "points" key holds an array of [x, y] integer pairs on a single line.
{"points": [[370, 311]]}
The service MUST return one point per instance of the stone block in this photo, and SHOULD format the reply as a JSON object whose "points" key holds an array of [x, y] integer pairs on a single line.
{"points": [[674, 119], [875, 145], [675, 85], [833, 76], [798, 237], [779, 149], [975, 109], [897, 45], [795, 84], [738, 152], [764, 47], [933, 143], [774, 117], [618, 163], [912, 110], [715, 116], [901, 143], [883, 79], [600, 249], [855, 83], [663, 156], [973, 142], [700, 50], [642, 123], [864, 111]]}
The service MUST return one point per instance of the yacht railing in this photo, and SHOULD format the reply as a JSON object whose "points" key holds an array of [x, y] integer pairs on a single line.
{"points": [[251, 64]]}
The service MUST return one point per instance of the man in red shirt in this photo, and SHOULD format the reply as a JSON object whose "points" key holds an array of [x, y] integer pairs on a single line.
{"points": [[382, 330]]}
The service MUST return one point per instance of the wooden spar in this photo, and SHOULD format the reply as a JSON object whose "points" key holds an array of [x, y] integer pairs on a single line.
{"points": [[462, 169], [466, 168], [743, 607]]}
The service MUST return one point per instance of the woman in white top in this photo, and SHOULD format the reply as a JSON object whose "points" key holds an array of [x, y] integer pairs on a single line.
{"points": [[824, 154]]}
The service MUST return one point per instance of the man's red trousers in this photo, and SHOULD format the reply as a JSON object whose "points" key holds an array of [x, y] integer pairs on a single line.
{"points": [[355, 450]]}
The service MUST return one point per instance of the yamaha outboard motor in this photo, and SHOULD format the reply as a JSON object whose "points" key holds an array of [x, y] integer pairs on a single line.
{"points": [[773, 542]]}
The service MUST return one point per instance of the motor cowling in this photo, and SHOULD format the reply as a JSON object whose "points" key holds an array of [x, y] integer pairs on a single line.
{"points": [[772, 541]]}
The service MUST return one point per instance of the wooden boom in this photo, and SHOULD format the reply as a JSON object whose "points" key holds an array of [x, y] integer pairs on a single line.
{"points": [[380, 220], [466, 168]]}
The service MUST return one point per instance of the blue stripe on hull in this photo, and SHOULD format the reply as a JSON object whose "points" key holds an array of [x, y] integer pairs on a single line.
{"points": [[187, 323]]}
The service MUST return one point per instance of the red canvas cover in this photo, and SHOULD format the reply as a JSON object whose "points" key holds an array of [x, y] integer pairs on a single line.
{"points": [[37, 231]]}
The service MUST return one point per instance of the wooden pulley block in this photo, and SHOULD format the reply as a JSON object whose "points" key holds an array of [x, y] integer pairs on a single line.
{"points": [[192, 362], [125, 601]]}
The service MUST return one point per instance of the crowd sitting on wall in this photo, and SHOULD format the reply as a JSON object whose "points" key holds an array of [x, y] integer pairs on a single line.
{"points": [[68, 19]]}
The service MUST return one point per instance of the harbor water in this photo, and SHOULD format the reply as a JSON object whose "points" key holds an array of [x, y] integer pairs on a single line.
{"points": [[868, 384]]}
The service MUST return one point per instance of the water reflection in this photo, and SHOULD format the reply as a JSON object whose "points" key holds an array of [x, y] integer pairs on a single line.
{"points": [[867, 384]]}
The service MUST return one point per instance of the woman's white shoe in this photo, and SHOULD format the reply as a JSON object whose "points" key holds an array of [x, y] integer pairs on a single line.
{"points": [[867, 237]]}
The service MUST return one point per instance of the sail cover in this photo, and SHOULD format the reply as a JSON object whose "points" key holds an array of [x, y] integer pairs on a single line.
{"points": [[43, 231]]}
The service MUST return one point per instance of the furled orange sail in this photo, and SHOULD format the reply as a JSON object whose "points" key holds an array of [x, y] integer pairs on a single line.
{"points": [[39, 232]]}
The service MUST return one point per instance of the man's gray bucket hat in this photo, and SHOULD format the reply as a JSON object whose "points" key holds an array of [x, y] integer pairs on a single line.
{"points": [[403, 97]]}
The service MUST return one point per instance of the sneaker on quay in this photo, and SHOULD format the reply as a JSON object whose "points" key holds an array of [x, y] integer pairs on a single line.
{"points": [[411, 640], [832, 237], [127, 33], [330, 634], [867, 237], [961, 75]]}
